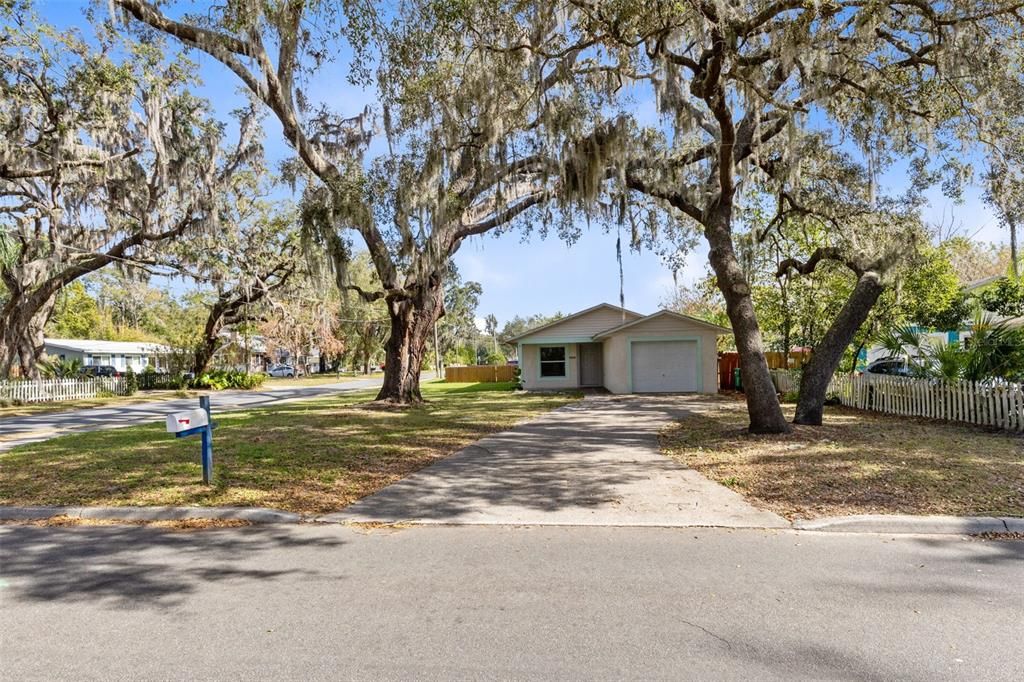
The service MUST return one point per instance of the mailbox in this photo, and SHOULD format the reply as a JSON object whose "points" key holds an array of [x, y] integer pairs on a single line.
{"points": [[191, 423], [186, 421]]}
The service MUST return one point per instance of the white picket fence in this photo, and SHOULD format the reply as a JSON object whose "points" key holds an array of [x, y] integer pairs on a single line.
{"points": [[784, 380], [988, 404], [50, 390]]}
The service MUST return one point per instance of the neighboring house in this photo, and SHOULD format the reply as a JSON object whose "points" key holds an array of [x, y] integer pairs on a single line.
{"points": [[622, 351], [118, 354], [245, 354], [952, 336]]}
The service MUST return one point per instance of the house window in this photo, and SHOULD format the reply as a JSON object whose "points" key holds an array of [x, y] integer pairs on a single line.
{"points": [[552, 361]]}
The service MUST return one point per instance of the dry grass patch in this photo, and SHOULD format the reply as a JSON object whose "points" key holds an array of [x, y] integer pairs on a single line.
{"points": [[309, 457], [170, 524], [857, 463]]}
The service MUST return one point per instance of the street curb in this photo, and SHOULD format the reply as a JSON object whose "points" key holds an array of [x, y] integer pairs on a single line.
{"points": [[927, 525], [865, 523], [252, 515]]}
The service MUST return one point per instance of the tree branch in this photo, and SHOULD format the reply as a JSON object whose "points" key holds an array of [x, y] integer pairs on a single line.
{"points": [[820, 254]]}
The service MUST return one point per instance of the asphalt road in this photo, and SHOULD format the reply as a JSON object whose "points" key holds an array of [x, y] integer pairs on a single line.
{"points": [[20, 430], [330, 602]]}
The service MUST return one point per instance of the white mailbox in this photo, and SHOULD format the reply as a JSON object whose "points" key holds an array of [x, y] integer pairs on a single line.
{"points": [[183, 421]]}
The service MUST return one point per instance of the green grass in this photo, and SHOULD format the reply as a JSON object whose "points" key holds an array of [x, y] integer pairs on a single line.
{"points": [[312, 456], [856, 463]]}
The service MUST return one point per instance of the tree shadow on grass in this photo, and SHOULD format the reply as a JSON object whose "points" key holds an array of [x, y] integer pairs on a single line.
{"points": [[324, 458], [123, 566]]}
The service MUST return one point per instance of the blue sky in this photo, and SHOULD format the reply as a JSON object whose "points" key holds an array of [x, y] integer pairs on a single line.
{"points": [[540, 276]]}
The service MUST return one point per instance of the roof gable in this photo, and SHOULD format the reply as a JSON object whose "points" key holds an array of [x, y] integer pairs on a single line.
{"points": [[665, 313], [597, 311]]}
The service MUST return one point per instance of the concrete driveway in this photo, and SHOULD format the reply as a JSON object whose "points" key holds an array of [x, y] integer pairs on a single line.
{"points": [[595, 462], [38, 427]]}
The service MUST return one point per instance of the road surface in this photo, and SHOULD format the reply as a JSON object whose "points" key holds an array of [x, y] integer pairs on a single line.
{"points": [[19, 430], [333, 602]]}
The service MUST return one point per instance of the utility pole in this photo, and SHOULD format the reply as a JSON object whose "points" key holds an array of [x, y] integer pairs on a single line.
{"points": [[1014, 255]]}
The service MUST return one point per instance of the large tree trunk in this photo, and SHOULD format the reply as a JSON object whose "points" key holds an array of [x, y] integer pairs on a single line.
{"points": [[21, 332], [817, 373], [412, 323], [205, 350], [211, 335], [762, 402]]}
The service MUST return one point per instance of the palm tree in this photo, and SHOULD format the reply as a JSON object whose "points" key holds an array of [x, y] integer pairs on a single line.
{"points": [[59, 368], [994, 350]]}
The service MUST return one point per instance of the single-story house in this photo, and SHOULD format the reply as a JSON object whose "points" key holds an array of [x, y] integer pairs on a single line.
{"points": [[622, 351], [118, 354]]}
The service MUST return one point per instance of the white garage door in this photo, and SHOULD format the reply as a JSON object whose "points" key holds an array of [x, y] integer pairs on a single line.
{"points": [[665, 366]]}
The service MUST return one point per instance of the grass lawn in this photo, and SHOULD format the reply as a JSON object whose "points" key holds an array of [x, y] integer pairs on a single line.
{"points": [[857, 463], [68, 405], [311, 456]]}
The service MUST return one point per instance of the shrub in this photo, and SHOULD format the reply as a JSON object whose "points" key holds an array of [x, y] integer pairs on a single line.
{"points": [[149, 380], [218, 380], [56, 368], [131, 382]]}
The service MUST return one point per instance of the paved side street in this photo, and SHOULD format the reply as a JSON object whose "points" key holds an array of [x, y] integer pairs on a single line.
{"points": [[38, 427], [329, 602]]}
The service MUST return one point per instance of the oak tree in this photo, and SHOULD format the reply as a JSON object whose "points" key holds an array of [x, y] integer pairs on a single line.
{"points": [[106, 153]]}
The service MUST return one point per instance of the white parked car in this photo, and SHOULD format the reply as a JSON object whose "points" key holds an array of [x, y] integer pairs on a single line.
{"points": [[282, 371]]}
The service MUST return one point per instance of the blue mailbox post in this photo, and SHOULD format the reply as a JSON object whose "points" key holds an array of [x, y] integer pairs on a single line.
{"points": [[192, 422]]}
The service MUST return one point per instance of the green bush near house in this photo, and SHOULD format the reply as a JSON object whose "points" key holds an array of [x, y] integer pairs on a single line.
{"points": [[131, 382], [218, 380]]}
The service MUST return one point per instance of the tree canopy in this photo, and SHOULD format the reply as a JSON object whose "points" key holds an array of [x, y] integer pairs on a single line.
{"points": [[106, 152]]}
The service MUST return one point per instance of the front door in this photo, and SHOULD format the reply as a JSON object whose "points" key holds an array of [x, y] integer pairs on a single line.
{"points": [[591, 364]]}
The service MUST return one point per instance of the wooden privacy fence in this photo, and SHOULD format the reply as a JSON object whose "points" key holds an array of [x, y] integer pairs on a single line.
{"points": [[730, 360], [51, 390], [988, 404], [473, 374]]}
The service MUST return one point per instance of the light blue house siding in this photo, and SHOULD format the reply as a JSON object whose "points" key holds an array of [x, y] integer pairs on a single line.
{"points": [[118, 354]]}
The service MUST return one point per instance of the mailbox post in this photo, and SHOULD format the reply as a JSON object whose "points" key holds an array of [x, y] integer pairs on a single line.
{"points": [[192, 422], [207, 440]]}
